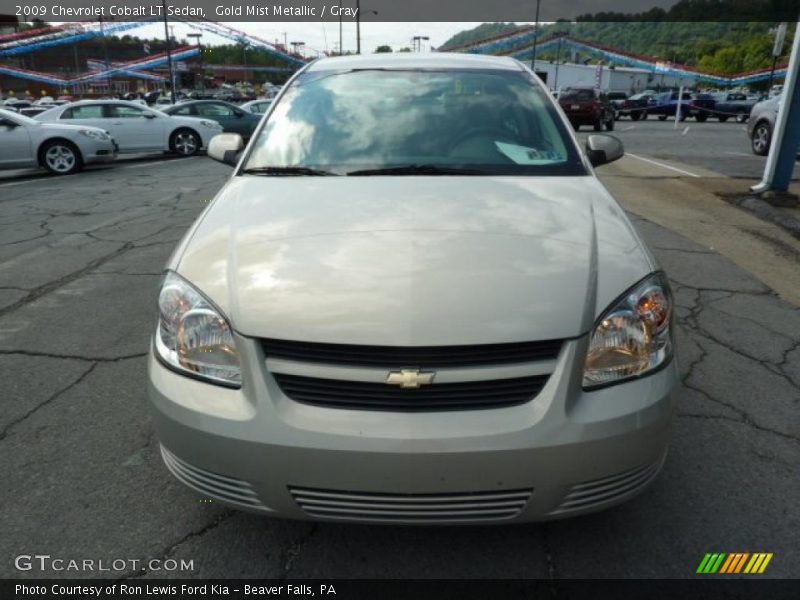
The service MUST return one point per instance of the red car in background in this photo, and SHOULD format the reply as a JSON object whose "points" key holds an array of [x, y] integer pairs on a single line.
{"points": [[586, 106]]}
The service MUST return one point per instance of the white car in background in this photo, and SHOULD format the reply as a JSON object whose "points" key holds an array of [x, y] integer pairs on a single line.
{"points": [[138, 128], [61, 149], [257, 107]]}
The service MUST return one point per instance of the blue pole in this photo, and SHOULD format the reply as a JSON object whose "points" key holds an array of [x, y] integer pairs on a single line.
{"points": [[786, 134]]}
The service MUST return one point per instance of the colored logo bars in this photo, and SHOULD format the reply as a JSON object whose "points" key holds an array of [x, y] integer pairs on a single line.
{"points": [[737, 562]]}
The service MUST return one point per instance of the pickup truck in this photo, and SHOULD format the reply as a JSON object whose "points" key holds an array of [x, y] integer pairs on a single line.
{"points": [[664, 105], [733, 105]]}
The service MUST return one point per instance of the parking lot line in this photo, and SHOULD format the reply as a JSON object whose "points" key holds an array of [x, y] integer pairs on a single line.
{"points": [[154, 163], [659, 164]]}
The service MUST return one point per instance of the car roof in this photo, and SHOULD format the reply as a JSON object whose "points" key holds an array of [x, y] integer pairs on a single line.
{"points": [[90, 102], [415, 60]]}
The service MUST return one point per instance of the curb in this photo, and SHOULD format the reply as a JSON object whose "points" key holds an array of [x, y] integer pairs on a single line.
{"points": [[766, 212]]}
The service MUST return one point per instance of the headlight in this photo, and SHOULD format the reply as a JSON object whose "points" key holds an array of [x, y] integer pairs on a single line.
{"points": [[211, 124], [97, 135], [633, 337], [193, 335]]}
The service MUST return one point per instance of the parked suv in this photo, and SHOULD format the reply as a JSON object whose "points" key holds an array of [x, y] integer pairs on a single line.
{"points": [[585, 106]]}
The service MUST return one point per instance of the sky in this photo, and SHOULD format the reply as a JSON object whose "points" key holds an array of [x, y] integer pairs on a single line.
{"points": [[320, 36]]}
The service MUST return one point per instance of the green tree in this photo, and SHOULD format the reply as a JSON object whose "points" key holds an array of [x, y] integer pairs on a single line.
{"points": [[383, 49]]}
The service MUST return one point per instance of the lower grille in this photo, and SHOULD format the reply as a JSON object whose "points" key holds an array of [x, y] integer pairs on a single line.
{"points": [[411, 508], [608, 490], [210, 484], [336, 393]]}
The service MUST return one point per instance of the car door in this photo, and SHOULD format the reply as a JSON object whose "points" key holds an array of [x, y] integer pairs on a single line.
{"points": [[136, 129], [16, 150]]}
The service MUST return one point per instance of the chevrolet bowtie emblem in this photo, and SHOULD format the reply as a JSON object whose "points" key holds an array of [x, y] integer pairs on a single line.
{"points": [[410, 379]]}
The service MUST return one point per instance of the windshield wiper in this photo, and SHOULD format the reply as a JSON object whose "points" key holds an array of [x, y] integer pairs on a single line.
{"points": [[285, 171], [418, 170]]}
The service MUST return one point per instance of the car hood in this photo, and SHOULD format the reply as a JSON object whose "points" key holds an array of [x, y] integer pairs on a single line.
{"points": [[413, 260]]}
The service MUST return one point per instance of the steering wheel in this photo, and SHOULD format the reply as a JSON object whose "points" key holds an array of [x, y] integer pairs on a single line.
{"points": [[496, 133]]}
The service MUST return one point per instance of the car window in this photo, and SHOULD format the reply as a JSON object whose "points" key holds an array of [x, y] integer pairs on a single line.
{"points": [[215, 110], [260, 107], [126, 112], [184, 111], [492, 121], [91, 111]]}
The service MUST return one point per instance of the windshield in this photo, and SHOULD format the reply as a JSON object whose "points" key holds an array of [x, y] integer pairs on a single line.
{"points": [[577, 95], [351, 122]]}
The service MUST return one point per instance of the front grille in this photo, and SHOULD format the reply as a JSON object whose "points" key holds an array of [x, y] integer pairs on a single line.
{"points": [[211, 484], [601, 492], [429, 357], [336, 393], [411, 508]]}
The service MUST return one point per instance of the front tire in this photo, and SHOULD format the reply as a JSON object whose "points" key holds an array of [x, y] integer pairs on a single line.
{"points": [[662, 117], [722, 118], [185, 142], [61, 157], [741, 116], [762, 137], [610, 124], [635, 116]]}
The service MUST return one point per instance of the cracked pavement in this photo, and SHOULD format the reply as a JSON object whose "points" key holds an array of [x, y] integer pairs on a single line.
{"points": [[80, 259]]}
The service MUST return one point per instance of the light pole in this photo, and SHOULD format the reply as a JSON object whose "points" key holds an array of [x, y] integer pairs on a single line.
{"points": [[169, 52], [296, 45], [340, 28], [199, 45], [417, 41], [358, 25], [535, 38]]}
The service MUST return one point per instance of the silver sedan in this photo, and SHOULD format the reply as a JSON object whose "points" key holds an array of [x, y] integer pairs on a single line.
{"points": [[61, 149], [414, 302]]}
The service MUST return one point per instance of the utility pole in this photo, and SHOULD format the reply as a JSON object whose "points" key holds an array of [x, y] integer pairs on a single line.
{"points": [[777, 50], [340, 27], [105, 49], [535, 38], [558, 59], [358, 26], [169, 52], [199, 45]]}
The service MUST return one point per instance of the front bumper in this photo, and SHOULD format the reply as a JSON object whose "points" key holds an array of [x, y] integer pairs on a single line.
{"points": [[566, 452], [100, 151]]}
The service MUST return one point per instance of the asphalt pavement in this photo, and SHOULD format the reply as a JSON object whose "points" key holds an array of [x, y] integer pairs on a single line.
{"points": [[720, 147], [80, 259]]}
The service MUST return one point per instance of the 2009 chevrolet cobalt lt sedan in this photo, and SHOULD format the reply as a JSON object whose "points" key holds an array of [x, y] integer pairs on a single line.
{"points": [[414, 302]]}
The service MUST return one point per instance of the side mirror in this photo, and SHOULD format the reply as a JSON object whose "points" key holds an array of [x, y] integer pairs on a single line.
{"points": [[226, 148], [7, 123], [148, 115], [603, 149]]}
